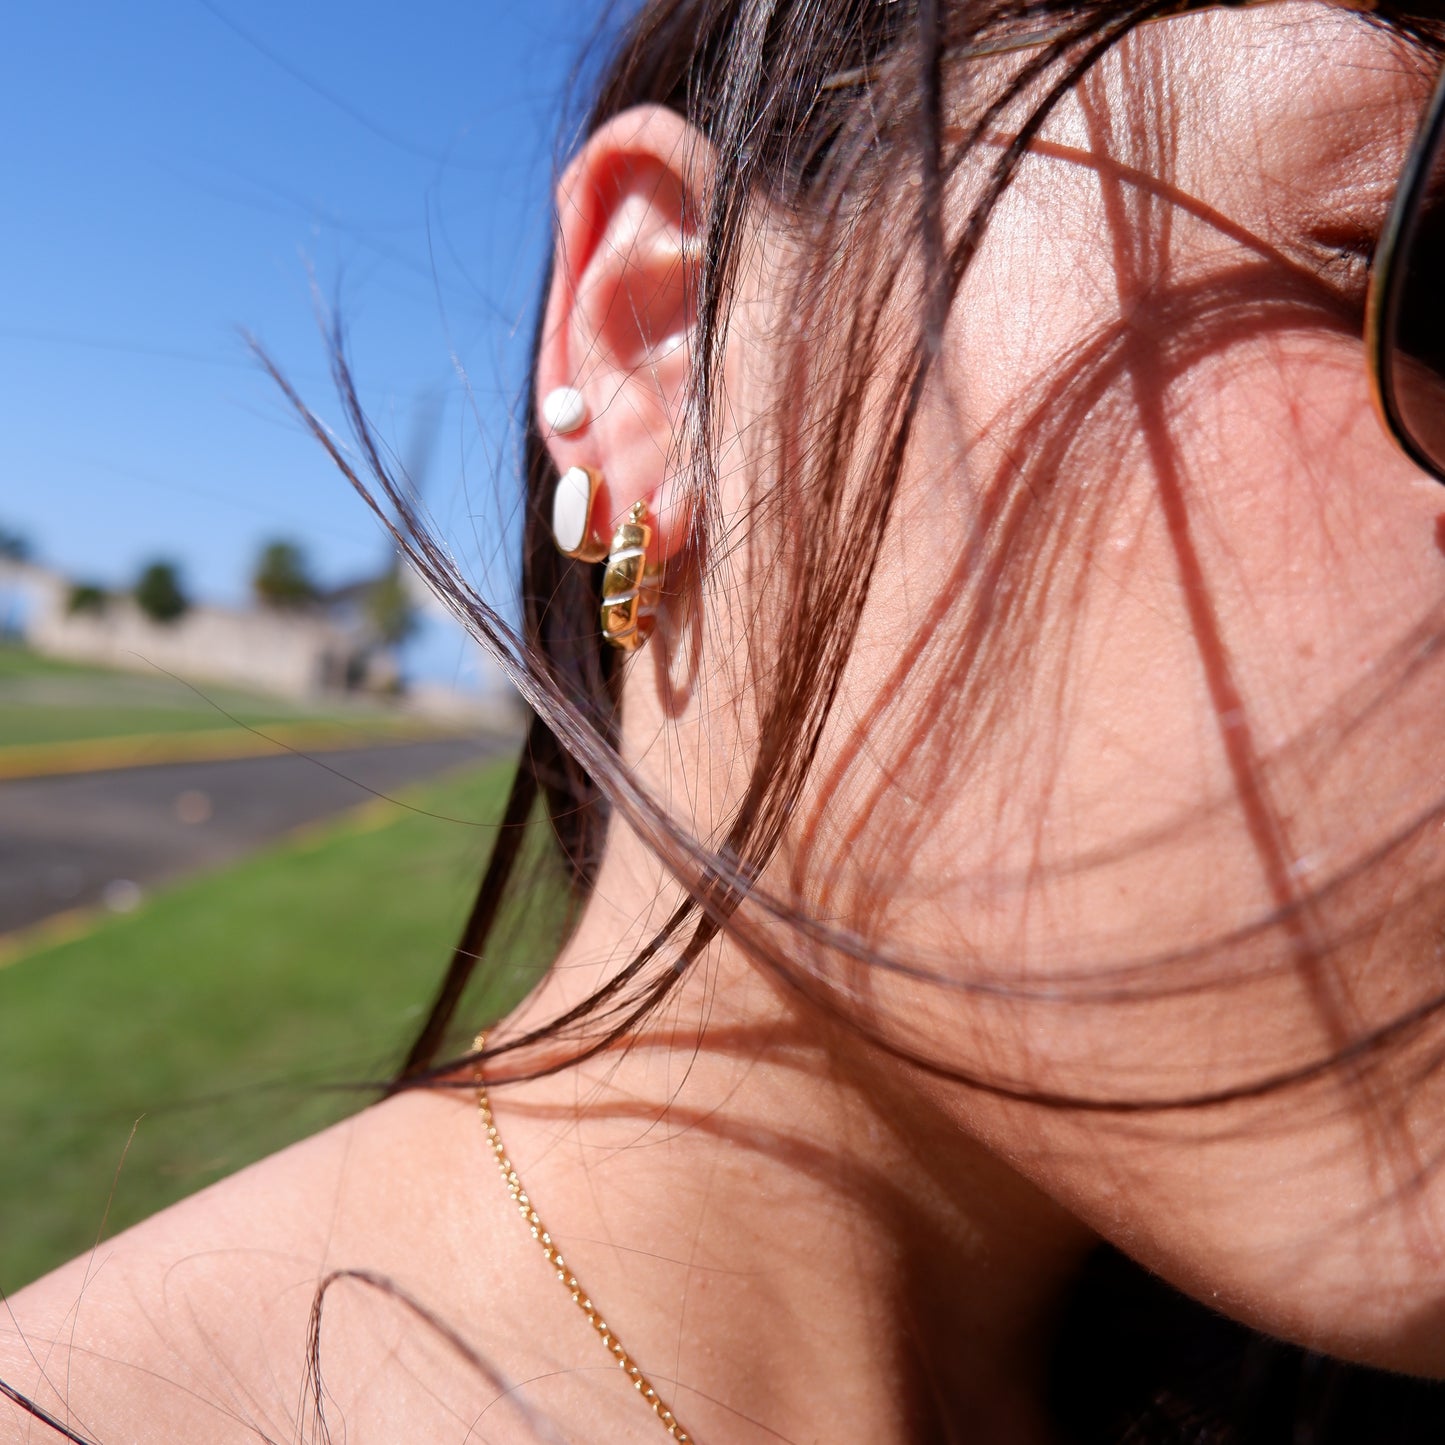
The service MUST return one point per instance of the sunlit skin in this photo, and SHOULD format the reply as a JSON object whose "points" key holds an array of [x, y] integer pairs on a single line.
{"points": [[798, 1235]]}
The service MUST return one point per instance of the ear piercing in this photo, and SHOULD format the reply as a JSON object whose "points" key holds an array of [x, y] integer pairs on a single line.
{"points": [[573, 503], [564, 410], [629, 588]]}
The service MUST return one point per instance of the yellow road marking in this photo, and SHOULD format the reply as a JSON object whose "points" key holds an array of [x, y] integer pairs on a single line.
{"points": [[51, 932], [141, 750]]}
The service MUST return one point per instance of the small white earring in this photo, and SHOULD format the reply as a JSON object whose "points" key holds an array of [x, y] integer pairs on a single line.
{"points": [[573, 503], [564, 410]]}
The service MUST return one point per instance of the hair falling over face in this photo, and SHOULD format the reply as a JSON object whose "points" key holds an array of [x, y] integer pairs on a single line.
{"points": [[1032, 786], [1294, 873], [883, 139]]}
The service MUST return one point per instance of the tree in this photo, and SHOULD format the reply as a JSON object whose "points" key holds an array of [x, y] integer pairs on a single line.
{"points": [[158, 592], [88, 598], [282, 576], [389, 607]]}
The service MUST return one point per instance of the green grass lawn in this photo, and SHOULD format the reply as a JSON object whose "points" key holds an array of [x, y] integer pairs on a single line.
{"points": [[45, 700], [221, 1012]]}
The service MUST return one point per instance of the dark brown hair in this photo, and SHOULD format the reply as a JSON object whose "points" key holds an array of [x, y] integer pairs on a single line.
{"points": [[818, 111]]}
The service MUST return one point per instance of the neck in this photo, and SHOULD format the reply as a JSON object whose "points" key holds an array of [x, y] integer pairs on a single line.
{"points": [[785, 1229]]}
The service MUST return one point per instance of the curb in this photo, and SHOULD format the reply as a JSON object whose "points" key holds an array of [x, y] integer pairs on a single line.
{"points": [[146, 750], [51, 932]]}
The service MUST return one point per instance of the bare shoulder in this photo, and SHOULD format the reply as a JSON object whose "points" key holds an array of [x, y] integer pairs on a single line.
{"points": [[195, 1324]]}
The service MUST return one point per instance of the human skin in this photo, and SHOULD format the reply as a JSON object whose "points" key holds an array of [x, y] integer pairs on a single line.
{"points": [[796, 1233]]}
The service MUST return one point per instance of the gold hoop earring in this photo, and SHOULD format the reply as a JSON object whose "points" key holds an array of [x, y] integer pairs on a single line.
{"points": [[573, 503], [629, 588]]}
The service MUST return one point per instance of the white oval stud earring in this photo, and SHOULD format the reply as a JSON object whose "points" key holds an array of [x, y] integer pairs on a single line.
{"points": [[564, 410], [573, 504]]}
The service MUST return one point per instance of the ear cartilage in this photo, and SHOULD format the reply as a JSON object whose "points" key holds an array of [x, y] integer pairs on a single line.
{"points": [[564, 410], [573, 504]]}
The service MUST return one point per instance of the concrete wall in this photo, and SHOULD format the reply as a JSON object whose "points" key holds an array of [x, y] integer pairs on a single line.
{"points": [[289, 654]]}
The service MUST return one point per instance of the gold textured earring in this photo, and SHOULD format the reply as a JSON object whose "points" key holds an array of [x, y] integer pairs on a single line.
{"points": [[573, 504], [629, 588]]}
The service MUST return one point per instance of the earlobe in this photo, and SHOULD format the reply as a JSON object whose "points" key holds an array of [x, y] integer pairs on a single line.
{"points": [[616, 351]]}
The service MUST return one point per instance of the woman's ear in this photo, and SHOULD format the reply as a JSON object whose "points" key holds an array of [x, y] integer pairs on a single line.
{"points": [[619, 322]]}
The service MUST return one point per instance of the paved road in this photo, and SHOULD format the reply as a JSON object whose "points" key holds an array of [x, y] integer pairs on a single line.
{"points": [[107, 837]]}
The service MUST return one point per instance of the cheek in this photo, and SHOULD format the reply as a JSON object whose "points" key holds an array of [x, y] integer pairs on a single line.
{"points": [[1202, 856], [1164, 830], [1253, 616], [1221, 693]]}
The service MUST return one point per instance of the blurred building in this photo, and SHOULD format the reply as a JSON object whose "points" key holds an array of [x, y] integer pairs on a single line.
{"points": [[327, 647]]}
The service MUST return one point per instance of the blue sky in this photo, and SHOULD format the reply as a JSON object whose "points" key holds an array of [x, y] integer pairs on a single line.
{"points": [[174, 170]]}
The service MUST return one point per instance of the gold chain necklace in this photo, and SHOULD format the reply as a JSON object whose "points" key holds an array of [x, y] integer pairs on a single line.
{"points": [[569, 1282]]}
